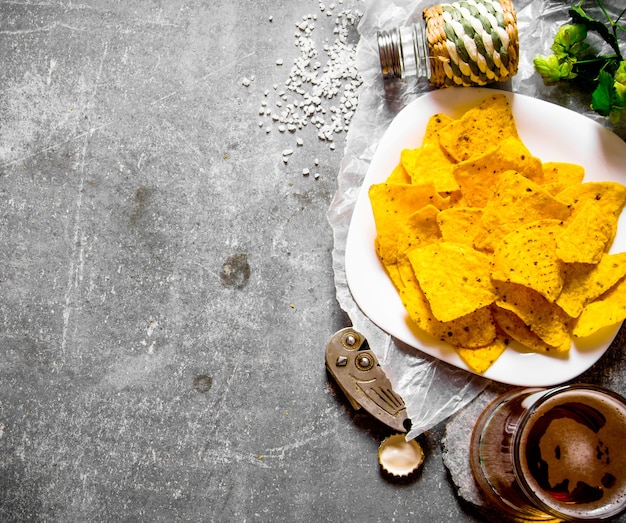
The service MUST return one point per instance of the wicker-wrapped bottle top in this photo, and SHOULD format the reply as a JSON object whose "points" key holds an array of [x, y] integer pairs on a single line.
{"points": [[469, 42]]}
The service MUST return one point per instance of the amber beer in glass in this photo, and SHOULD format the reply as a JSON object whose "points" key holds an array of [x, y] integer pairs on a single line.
{"points": [[553, 454]]}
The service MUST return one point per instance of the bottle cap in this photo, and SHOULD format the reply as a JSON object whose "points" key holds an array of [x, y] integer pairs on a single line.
{"points": [[400, 457]]}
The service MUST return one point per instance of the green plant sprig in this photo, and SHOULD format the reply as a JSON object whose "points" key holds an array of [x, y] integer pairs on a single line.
{"points": [[573, 58]]}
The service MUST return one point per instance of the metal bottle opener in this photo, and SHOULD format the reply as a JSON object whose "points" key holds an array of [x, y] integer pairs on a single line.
{"points": [[355, 368]]}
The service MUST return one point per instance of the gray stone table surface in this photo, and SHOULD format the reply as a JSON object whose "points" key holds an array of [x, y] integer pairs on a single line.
{"points": [[166, 287]]}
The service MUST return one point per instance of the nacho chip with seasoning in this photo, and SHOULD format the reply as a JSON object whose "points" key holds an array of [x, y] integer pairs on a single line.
{"points": [[478, 177], [609, 197], [607, 310], [557, 176], [419, 230], [459, 224], [481, 358], [584, 282], [430, 163], [479, 130], [516, 201], [586, 235], [545, 319], [399, 176], [433, 166], [473, 330], [392, 205], [527, 256], [515, 327], [454, 278]]}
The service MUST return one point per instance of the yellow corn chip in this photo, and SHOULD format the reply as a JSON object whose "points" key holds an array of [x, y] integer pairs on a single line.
{"points": [[399, 176], [477, 178], [480, 129], [515, 327], [586, 235], [527, 256], [433, 127], [559, 175], [459, 224], [408, 160], [607, 310], [392, 205], [473, 330], [547, 320], [517, 200], [610, 198], [434, 166], [419, 230], [583, 283], [481, 358], [454, 278], [429, 163]]}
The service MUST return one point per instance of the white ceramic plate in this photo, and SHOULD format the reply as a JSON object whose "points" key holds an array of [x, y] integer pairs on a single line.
{"points": [[551, 133]]}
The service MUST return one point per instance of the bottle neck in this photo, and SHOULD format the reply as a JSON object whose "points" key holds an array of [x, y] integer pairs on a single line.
{"points": [[403, 52]]}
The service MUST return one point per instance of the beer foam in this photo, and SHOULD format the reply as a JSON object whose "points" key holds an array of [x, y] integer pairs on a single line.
{"points": [[574, 457], [582, 456]]}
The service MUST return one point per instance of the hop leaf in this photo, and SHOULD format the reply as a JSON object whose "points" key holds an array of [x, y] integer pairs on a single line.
{"points": [[579, 16], [605, 95]]}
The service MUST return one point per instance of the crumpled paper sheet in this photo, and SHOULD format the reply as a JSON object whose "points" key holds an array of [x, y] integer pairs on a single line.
{"points": [[432, 390]]}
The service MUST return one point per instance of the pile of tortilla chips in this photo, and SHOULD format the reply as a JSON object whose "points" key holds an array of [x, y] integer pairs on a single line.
{"points": [[486, 243]]}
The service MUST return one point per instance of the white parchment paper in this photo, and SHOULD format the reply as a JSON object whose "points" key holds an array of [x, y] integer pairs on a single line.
{"points": [[432, 390]]}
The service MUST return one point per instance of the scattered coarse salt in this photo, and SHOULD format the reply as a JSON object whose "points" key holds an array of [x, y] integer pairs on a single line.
{"points": [[323, 82], [305, 172], [245, 82]]}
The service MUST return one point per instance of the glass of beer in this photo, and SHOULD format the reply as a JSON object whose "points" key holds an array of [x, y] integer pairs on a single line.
{"points": [[554, 454]]}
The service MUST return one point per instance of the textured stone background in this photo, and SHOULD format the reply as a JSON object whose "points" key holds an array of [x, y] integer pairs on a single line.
{"points": [[166, 289]]}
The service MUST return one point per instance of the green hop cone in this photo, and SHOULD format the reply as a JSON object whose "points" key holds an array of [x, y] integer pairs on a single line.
{"points": [[569, 42], [552, 69]]}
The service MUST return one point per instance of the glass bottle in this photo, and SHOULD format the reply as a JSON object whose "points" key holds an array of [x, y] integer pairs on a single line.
{"points": [[465, 43]]}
